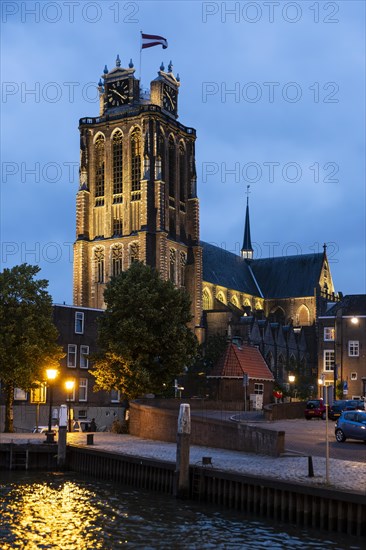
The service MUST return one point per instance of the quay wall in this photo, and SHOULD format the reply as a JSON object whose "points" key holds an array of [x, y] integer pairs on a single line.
{"points": [[310, 507], [152, 422]]}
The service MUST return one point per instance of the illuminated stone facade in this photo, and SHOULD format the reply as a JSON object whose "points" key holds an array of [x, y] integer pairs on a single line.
{"points": [[137, 196], [137, 200]]}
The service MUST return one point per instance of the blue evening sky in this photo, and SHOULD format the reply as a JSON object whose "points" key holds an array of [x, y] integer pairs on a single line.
{"points": [[275, 90]]}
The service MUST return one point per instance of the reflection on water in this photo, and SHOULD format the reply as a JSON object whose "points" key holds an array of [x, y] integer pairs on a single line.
{"points": [[70, 512]]}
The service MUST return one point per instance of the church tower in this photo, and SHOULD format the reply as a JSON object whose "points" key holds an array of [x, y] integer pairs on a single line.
{"points": [[137, 197]]}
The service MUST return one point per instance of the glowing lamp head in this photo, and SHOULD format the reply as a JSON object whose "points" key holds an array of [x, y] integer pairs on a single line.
{"points": [[354, 321], [69, 385], [291, 378], [51, 374]]}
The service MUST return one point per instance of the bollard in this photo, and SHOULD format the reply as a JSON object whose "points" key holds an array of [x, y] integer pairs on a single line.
{"points": [[310, 467], [90, 439], [183, 444]]}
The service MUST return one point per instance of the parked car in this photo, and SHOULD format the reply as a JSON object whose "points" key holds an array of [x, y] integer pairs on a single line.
{"points": [[80, 425], [345, 405], [43, 429], [315, 408], [352, 425]]}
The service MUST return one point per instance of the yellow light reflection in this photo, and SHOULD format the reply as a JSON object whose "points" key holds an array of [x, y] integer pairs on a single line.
{"points": [[46, 516]]}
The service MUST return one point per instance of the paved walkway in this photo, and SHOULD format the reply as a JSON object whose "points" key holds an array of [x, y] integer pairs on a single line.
{"points": [[343, 475]]}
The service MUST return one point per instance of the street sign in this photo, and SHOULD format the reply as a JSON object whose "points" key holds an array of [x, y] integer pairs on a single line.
{"points": [[245, 380]]}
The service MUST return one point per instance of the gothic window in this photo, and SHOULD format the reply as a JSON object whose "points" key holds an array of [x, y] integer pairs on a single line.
{"points": [[162, 155], [172, 265], [135, 160], [99, 165], [183, 261], [134, 252], [117, 260], [99, 264], [117, 163], [303, 316], [117, 227], [182, 172], [171, 167], [206, 299], [220, 296]]}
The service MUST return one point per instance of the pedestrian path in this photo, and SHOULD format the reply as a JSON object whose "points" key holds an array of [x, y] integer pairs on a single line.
{"points": [[343, 475]]}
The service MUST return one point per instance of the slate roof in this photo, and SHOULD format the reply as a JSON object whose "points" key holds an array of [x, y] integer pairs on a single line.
{"points": [[288, 276], [239, 360], [282, 277], [351, 304], [226, 269]]}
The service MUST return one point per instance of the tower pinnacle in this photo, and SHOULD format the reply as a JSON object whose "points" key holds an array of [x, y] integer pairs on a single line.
{"points": [[247, 250]]}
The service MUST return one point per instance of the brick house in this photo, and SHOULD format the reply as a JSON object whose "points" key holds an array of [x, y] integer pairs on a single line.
{"points": [[342, 344]]}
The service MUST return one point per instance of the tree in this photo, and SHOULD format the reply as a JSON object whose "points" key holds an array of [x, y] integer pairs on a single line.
{"points": [[144, 336], [195, 381], [27, 333]]}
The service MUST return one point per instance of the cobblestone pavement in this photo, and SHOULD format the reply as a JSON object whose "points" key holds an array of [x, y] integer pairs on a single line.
{"points": [[343, 475]]}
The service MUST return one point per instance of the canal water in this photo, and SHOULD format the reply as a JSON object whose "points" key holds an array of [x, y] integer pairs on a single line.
{"points": [[72, 512]]}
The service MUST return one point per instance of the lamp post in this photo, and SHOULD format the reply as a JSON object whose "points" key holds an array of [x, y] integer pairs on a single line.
{"points": [[291, 380], [51, 375], [69, 385]]}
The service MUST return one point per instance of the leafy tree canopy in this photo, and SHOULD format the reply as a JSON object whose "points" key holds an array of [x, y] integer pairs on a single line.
{"points": [[144, 336], [27, 333]]}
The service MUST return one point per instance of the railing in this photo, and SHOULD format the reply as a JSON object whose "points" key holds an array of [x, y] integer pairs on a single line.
{"points": [[130, 113]]}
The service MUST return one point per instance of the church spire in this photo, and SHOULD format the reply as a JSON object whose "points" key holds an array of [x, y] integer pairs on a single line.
{"points": [[247, 250]]}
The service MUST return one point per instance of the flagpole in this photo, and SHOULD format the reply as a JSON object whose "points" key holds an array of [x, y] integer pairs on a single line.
{"points": [[140, 58]]}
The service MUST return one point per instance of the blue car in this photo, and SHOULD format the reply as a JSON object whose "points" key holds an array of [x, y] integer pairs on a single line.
{"points": [[352, 425]]}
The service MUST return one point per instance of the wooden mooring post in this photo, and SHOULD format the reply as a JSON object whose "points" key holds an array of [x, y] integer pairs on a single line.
{"points": [[183, 443]]}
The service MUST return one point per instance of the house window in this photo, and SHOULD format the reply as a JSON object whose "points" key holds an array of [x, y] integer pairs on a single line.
{"points": [[115, 396], [353, 348], [20, 395], [328, 360], [71, 355], [259, 389], [353, 375], [329, 333], [79, 322], [83, 389], [84, 361]]}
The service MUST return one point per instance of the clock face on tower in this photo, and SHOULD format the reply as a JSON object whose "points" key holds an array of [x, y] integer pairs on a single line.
{"points": [[169, 99], [117, 93]]}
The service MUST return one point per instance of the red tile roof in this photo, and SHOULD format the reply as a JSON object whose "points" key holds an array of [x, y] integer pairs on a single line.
{"points": [[239, 360]]}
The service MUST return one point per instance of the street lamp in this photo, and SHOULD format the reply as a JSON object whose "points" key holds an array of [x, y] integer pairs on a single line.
{"points": [[291, 380], [69, 385], [51, 375]]}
